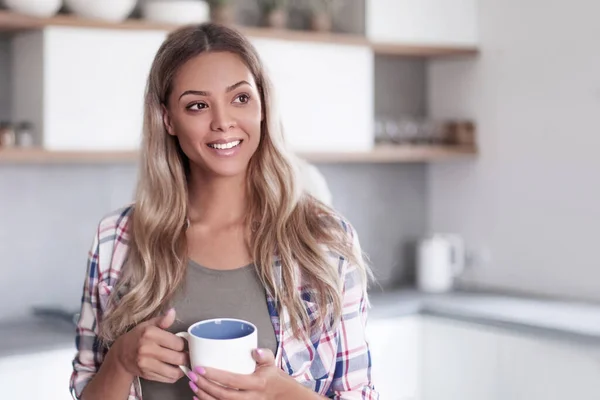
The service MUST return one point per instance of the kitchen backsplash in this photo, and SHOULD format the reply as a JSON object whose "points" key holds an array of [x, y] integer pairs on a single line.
{"points": [[48, 216], [387, 204]]}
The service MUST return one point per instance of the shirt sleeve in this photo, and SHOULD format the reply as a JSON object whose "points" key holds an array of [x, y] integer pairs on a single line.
{"points": [[89, 350], [352, 376]]}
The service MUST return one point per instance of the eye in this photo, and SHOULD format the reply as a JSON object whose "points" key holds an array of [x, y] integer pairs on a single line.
{"points": [[196, 106], [242, 98]]}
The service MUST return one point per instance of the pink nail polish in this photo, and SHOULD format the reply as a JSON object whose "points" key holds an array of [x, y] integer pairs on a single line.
{"points": [[193, 377], [195, 398], [193, 387], [200, 370]]}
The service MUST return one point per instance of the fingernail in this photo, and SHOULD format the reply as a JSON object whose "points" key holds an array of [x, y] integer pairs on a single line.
{"points": [[193, 377], [193, 387], [259, 352], [200, 370], [195, 398]]}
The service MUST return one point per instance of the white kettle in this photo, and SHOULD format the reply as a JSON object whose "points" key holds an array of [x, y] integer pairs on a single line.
{"points": [[440, 258]]}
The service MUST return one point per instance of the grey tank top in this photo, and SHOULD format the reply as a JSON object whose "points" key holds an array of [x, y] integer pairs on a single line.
{"points": [[207, 294]]}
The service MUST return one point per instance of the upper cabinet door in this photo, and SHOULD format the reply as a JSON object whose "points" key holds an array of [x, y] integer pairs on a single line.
{"points": [[324, 93], [426, 22], [83, 88], [95, 82]]}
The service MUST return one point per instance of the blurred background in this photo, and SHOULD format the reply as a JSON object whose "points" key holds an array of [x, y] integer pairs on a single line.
{"points": [[459, 137]]}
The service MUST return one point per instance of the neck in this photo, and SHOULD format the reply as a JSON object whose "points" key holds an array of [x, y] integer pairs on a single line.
{"points": [[217, 201]]}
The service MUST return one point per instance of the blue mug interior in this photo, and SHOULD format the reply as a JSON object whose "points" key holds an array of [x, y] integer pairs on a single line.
{"points": [[222, 330]]}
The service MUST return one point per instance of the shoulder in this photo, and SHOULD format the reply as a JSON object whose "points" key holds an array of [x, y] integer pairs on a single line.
{"points": [[352, 262], [341, 245], [338, 223], [114, 225]]}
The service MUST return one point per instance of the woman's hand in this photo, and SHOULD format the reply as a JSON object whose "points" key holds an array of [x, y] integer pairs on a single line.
{"points": [[150, 352], [267, 383]]}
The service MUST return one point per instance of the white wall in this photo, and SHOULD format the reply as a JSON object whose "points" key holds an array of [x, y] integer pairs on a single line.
{"points": [[533, 196]]}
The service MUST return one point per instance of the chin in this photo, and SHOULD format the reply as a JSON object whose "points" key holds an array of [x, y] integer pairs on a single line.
{"points": [[225, 171], [224, 167]]}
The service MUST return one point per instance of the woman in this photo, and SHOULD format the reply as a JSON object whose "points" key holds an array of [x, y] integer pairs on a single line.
{"points": [[220, 228]]}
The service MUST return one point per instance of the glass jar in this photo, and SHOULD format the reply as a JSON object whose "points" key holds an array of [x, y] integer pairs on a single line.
{"points": [[7, 135], [24, 135]]}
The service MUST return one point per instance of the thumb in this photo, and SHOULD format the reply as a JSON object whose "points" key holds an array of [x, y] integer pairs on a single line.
{"points": [[164, 321], [263, 357]]}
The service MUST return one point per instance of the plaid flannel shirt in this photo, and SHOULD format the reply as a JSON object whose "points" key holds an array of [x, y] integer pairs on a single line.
{"points": [[335, 363]]}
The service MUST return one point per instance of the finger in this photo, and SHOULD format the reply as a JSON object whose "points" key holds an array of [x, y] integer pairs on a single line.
{"points": [[168, 340], [169, 356], [158, 378], [263, 357], [230, 379], [199, 393], [166, 372], [213, 390], [168, 319], [161, 320]]}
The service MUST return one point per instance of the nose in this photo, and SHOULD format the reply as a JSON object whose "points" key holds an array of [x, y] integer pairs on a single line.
{"points": [[222, 121]]}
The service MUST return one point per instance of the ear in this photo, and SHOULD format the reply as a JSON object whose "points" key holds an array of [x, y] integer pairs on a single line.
{"points": [[167, 120]]}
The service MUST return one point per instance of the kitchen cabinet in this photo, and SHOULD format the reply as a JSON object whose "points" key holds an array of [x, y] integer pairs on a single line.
{"points": [[459, 361], [423, 22], [43, 375], [395, 346], [324, 93], [471, 362], [81, 82], [533, 368], [83, 88]]}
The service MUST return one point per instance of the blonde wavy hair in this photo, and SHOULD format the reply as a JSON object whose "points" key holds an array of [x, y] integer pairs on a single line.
{"points": [[284, 224]]}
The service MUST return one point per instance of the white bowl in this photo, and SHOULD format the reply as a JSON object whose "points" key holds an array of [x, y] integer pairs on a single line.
{"points": [[177, 12], [36, 8], [106, 10]]}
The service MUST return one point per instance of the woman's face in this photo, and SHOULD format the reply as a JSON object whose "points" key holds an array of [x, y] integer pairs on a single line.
{"points": [[214, 110]]}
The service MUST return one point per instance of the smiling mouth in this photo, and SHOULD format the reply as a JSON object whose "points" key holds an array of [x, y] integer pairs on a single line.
{"points": [[225, 146]]}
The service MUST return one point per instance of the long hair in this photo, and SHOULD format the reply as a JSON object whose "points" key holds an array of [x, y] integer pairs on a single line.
{"points": [[284, 224]]}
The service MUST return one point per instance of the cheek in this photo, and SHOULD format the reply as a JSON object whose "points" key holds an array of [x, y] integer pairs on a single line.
{"points": [[251, 121], [188, 127]]}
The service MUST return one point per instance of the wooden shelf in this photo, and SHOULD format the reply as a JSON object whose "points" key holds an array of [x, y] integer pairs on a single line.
{"points": [[40, 156], [408, 50], [10, 21], [380, 154], [395, 154]]}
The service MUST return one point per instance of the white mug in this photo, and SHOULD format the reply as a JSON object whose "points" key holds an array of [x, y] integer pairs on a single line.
{"points": [[222, 343]]}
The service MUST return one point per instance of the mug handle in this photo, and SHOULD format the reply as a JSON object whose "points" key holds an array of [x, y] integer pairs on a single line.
{"points": [[186, 337]]}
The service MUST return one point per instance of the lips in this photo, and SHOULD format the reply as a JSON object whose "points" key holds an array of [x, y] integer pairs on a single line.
{"points": [[224, 144]]}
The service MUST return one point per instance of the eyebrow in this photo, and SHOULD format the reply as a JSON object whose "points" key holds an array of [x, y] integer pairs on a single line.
{"points": [[205, 93]]}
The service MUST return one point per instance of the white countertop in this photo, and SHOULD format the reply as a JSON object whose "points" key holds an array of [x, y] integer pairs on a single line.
{"points": [[567, 320]]}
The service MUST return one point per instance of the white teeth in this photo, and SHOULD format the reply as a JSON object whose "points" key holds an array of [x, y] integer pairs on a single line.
{"points": [[224, 146]]}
